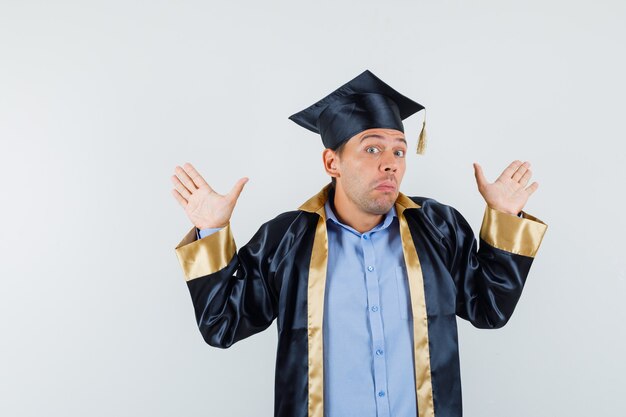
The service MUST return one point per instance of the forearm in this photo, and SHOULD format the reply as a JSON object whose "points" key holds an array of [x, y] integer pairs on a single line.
{"points": [[229, 291], [490, 281]]}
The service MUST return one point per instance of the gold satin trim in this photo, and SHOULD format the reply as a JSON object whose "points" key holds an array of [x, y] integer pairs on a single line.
{"points": [[315, 303], [315, 307], [511, 233], [315, 203], [207, 255], [404, 202], [421, 347], [315, 314]]}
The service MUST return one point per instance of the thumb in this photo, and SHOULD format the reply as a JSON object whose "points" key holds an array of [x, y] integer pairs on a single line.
{"points": [[237, 188], [480, 176]]}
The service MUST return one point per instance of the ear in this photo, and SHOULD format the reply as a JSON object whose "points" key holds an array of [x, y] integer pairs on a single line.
{"points": [[331, 162]]}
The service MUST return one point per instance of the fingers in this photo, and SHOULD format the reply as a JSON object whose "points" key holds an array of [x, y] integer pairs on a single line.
{"points": [[510, 170], [517, 176], [190, 178], [195, 176], [179, 198], [480, 176], [532, 188], [182, 190], [525, 178], [236, 190], [185, 179]]}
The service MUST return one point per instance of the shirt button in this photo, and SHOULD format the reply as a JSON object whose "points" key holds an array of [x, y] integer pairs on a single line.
{"points": [[370, 268], [379, 352], [365, 237], [381, 393], [374, 308]]}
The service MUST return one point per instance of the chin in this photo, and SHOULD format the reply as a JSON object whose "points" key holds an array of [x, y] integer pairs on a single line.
{"points": [[374, 202], [382, 205], [388, 196]]}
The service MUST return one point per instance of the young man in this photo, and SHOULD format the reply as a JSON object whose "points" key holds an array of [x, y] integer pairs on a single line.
{"points": [[365, 282]]}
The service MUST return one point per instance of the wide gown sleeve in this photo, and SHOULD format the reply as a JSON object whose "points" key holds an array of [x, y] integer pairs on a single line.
{"points": [[489, 279], [231, 290]]}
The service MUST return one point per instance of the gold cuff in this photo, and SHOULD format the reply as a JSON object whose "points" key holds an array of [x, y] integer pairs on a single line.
{"points": [[520, 235], [205, 256]]}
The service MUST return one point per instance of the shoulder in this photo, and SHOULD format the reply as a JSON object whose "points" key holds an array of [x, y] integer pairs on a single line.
{"points": [[290, 223], [433, 208], [288, 219], [276, 237], [443, 218]]}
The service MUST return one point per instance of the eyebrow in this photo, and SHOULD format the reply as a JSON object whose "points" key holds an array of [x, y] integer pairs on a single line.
{"points": [[373, 135]]}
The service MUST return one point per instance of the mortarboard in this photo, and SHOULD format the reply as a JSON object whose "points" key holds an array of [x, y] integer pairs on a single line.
{"points": [[366, 102]]}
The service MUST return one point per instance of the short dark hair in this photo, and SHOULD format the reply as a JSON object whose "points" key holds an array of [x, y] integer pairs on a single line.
{"points": [[338, 151]]}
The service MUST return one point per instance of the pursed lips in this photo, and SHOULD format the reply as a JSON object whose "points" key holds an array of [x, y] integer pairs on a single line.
{"points": [[386, 185]]}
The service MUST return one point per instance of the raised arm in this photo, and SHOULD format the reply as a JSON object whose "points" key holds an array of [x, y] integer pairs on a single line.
{"points": [[490, 278], [230, 290]]}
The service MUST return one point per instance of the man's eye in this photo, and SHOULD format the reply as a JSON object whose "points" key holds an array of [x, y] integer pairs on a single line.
{"points": [[400, 153], [371, 149]]}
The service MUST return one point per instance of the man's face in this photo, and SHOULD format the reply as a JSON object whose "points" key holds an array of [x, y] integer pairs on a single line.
{"points": [[370, 169]]}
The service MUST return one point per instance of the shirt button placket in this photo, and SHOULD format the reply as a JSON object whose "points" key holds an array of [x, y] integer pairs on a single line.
{"points": [[376, 325]]}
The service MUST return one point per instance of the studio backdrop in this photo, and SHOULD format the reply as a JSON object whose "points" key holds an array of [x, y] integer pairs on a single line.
{"points": [[100, 100]]}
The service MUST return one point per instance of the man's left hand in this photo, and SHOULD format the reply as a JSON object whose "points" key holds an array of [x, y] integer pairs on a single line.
{"points": [[509, 192]]}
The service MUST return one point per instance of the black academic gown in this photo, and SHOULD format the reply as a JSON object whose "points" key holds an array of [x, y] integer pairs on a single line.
{"points": [[280, 274]]}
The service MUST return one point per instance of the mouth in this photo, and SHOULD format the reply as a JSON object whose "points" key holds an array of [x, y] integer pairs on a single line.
{"points": [[386, 186]]}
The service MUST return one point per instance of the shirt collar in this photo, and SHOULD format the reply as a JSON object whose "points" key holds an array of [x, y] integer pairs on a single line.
{"points": [[330, 216]]}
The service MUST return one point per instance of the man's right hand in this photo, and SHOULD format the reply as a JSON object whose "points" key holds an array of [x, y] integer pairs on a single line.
{"points": [[204, 207]]}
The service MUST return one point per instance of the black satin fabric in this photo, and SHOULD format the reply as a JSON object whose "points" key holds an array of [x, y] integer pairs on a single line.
{"points": [[482, 286], [268, 279], [356, 113], [365, 102]]}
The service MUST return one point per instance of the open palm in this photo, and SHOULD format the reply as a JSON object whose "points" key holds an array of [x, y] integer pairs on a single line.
{"points": [[509, 192], [204, 207]]}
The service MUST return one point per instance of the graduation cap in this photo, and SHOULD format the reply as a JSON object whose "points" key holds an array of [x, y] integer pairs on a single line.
{"points": [[366, 102]]}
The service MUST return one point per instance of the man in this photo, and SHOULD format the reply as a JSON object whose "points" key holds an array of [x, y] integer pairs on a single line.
{"points": [[365, 283]]}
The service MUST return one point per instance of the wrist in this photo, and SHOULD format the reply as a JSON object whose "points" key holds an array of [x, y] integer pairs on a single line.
{"points": [[203, 226], [505, 210]]}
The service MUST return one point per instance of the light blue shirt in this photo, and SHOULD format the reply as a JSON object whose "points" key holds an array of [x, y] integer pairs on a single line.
{"points": [[367, 331], [368, 345]]}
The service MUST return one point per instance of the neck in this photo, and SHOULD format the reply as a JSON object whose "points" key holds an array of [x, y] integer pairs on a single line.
{"points": [[348, 213]]}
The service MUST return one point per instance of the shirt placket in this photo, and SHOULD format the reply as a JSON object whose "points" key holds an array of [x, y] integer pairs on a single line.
{"points": [[376, 326]]}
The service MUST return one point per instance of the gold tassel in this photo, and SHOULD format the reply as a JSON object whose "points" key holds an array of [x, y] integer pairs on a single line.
{"points": [[421, 142]]}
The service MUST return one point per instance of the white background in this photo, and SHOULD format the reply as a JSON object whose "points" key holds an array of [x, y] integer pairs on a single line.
{"points": [[100, 100]]}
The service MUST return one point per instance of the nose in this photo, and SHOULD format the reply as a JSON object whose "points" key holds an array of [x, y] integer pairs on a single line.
{"points": [[389, 162]]}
